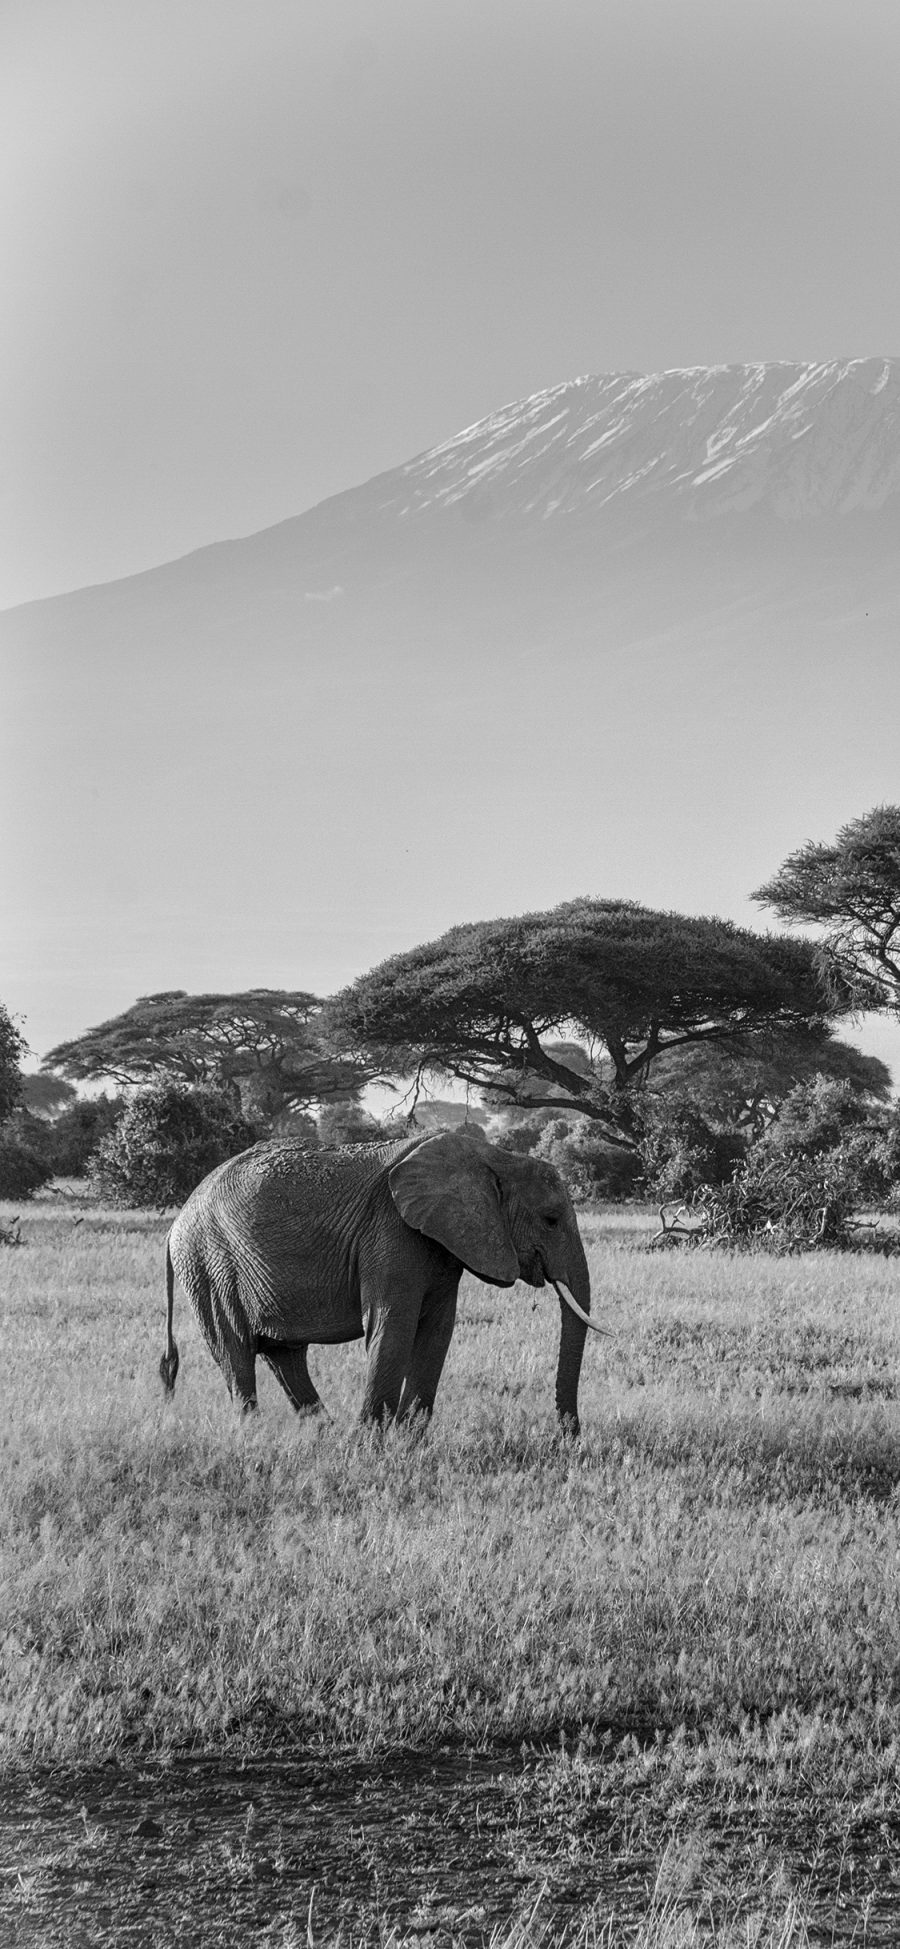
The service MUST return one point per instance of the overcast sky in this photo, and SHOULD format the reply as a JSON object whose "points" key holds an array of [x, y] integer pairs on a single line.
{"points": [[255, 253]]}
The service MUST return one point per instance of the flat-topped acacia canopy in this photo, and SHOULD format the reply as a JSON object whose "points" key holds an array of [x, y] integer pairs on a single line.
{"points": [[629, 981], [271, 1034]]}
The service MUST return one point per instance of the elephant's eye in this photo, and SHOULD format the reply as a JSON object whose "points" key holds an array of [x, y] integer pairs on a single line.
{"points": [[550, 1218]]}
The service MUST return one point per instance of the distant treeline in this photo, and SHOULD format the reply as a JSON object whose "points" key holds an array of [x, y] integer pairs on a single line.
{"points": [[645, 1053]]}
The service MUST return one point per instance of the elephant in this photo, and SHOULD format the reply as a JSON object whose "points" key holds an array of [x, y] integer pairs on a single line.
{"points": [[284, 1246]]}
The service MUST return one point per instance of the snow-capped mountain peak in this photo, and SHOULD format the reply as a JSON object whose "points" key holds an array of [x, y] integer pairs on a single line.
{"points": [[798, 439]]}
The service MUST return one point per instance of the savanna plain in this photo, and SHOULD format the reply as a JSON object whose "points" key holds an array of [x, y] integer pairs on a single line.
{"points": [[287, 1680]]}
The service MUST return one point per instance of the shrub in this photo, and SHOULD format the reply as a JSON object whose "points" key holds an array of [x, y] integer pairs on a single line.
{"points": [[166, 1140], [827, 1156], [22, 1168], [292, 1123], [680, 1150], [876, 1160], [12, 1047], [520, 1130], [817, 1116], [69, 1142], [349, 1123], [827, 1135], [781, 1204], [592, 1167]]}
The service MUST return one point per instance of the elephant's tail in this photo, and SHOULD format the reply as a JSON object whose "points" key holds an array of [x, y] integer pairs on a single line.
{"points": [[168, 1366]]}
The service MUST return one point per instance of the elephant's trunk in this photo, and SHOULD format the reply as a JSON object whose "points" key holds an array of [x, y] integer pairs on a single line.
{"points": [[575, 1320]]}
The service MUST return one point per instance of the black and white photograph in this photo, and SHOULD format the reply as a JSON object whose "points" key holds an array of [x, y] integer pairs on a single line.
{"points": [[450, 974]]}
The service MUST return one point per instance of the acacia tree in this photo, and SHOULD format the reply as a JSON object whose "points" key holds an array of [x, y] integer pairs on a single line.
{"points": [[482, 1003], [851, 890], [264, 1046]]}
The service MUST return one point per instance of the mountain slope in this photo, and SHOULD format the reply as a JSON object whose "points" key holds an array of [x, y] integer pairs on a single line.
{"points": [[600, 460], [738, 506]]}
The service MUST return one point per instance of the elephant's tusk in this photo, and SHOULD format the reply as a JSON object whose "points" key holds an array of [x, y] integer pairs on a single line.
{"points": [[579, 1311]]}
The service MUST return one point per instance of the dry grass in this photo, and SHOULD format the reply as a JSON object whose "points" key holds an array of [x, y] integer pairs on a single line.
{"points": [[703, 1595], [721, 1550], [667, 1925]]}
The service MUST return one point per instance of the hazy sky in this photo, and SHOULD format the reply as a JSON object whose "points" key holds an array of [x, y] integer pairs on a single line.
{"points": [[254, 253]]}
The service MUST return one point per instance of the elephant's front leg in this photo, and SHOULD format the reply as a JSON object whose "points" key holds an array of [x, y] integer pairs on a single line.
{"points": [[433, 1336], [390, 1335]]}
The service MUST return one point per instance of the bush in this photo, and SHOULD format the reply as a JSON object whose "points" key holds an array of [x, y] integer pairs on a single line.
{"points": [[166, 1140], [781, 1204], [827, 1134], [69, 1142], [827, 1156], [520, 1130], [592, 1167], [291, 1123], [12, 1047], [22, 1168], [680, 1150], [876, 1161], [349, 1123], [817, 1116]]}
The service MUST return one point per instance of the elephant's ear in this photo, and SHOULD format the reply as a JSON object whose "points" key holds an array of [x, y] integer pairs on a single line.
{"points": [[446, 1189]]}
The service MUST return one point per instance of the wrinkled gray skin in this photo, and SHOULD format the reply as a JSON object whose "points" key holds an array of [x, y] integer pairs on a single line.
{"points": [[282, 1247]]}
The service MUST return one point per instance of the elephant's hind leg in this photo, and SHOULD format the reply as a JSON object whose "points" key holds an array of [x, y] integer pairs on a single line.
{"points": [[227, 1336], [237, 1360], [288, 1364]]}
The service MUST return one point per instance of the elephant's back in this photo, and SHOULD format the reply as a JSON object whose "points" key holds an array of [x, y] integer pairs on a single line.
{"points": [[285, 1172], [274, 1231], [280, 1181]]}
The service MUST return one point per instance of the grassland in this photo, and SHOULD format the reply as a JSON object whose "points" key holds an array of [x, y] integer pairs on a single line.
{"points": [[698, 1605]]}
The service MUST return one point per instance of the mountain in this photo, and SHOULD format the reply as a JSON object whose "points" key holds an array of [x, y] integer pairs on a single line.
{"points": [[576, 473], [727, 511], [633, 635]]}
